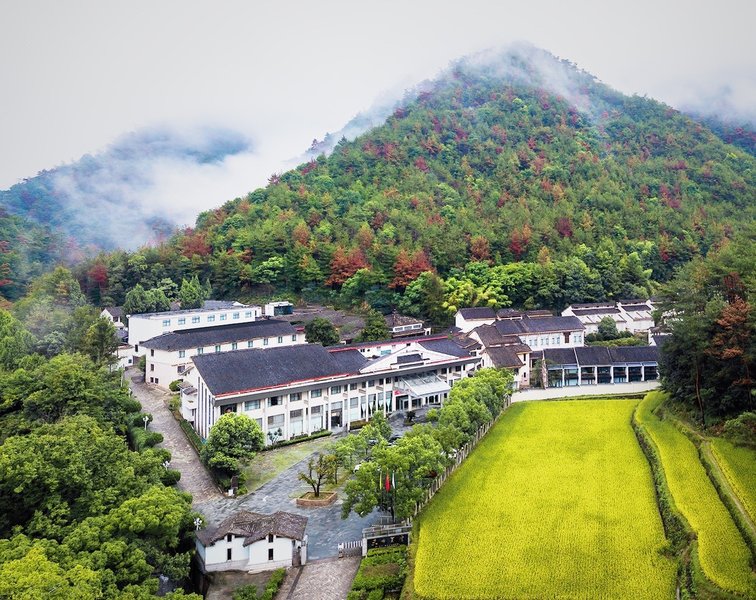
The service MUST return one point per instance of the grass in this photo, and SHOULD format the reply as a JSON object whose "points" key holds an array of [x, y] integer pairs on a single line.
{"points": [[269, 464], [556, 501], [723, 555], [739, 466]]}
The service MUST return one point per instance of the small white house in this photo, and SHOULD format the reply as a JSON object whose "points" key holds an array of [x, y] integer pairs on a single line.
{"points": [[253, 542], [114, 314]]}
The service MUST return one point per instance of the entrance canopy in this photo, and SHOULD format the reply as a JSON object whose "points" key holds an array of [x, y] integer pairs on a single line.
{"points": [[418, 387]]}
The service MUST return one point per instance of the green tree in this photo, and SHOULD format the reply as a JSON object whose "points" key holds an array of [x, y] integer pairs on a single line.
{"points": [[101, 342], [137, 302], [233, 438], [321, 331], [191, 294], [375, 329], [15, 341], [607, 329]]}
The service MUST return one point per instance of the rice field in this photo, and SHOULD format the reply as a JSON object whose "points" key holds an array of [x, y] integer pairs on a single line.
{"points": [[739, 466], [722, 552], [556, 502]]}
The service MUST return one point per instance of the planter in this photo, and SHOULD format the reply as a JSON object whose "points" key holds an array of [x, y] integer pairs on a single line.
{"points": [[309, 499]]}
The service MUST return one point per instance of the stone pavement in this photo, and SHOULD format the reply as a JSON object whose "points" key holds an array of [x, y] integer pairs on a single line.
{"points": [[325, 527], [329, 579], [194, 478]]}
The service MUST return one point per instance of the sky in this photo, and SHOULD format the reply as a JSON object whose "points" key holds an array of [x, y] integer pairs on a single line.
{"points": [[75, 76]]}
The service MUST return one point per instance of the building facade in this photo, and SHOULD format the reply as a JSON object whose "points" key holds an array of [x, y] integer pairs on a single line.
{"points": [[305, 388]]}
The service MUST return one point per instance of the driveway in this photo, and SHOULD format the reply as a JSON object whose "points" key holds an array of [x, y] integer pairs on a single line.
{"points": [[194, 478]]}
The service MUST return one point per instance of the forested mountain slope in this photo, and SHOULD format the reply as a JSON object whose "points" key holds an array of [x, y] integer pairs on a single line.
{"points": [[516, 159]]}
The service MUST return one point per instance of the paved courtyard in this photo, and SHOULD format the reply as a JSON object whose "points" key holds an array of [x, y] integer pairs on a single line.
{"points": [[325, 527], [329, 579]]}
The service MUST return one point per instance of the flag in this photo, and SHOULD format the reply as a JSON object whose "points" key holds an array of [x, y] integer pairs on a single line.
{"points": [[393, 481], [388, 483]]}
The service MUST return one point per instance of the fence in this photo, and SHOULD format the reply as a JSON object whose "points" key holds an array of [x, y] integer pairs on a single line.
{"points": [[461, 455]]}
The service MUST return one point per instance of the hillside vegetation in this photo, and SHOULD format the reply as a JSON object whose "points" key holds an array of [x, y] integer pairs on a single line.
{"points": [[516, 179]]}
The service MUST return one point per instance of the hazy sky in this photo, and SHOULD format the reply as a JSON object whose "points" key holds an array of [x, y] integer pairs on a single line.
{"points": [[75, 75]]}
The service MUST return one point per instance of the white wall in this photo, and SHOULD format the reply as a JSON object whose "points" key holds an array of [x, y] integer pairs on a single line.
{"points": [[247, 558]]}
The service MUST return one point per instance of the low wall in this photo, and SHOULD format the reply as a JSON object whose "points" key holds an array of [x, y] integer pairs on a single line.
{"points": [[609, 389]]}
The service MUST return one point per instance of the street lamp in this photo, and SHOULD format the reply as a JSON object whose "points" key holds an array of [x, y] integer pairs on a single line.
{"points": [[146, 420]]}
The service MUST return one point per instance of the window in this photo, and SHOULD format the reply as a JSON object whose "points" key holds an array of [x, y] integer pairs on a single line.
{"points": [[270, 553], [316, 393], [270, 538], [210, 318], [136, 347], [182, 321], [229, 537], [294, 337], [353, 403], [274, 401], [276, 420], [234, 345], [152, 366], [182, 353], [180, 369], [200, 350], [228, 553], [235, 315], [166, 322], [280, 339], [251, 405], [247, 314], [336, 389], [265, 341], [152, 352], [371, 383], [316, 410], [195, 319], [295, 397], [249, 344], [295, 414], [223, 317], [352, 386], [217, 347]]}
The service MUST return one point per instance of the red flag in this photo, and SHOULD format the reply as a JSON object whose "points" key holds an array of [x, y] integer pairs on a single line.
{"points": [[388, 483]]}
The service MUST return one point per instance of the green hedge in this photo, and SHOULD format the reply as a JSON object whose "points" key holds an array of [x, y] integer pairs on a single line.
{"points": [[298, 439], [249, 592], [141, 439], [382, 571]]}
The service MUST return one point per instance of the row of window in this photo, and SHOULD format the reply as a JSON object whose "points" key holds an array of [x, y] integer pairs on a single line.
{"points": [[553, 340], [273, 401], [235, 345], [210, 318]]}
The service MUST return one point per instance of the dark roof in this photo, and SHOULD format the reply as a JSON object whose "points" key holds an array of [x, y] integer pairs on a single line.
{"points": [[221, 334], [253, 369], [579, 312], [445, 346], [594, 305], [597, 355], [397, 320], [539, 313], [215, 304], [504, 356], [549, 324], [350, 359], [255, 526], [409, 359], [175, 310], [508, 313], [489, 335], [480, 312], [115, 311], [560, 356]]}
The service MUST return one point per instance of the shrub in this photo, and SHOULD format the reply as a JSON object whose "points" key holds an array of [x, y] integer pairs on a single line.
{"points": [[174, 385], [382, 570]]}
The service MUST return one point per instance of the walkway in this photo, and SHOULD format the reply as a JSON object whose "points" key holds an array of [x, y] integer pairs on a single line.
{"points": [[323, 579], [194, 478], [325, 527], [615, 389]]}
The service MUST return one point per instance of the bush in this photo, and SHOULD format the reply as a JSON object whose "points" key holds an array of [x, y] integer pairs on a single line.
{"points": [[245, 592], [298, 439], [170, 477], [383, 570], [742, 430], [174, 385], [275, 581]]}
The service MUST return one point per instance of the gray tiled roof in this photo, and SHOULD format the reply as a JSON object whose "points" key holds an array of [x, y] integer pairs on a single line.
{"points": [[221, 334], [445, 346], [579, 312], [479, 312], [228, 372], [256, 526], [590, 356], [527, 325], [504, 356]]}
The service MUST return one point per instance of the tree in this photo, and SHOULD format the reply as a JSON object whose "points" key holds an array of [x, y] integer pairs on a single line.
{"points": [[320, 468], [375, 328], [101, 342], [607, 329], [191, 294], [15, 341], [233, 438], [137, 302], [321, 331]]}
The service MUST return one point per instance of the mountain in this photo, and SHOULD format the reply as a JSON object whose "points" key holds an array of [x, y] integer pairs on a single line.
{"points": [[99, 202], [514, 158]]}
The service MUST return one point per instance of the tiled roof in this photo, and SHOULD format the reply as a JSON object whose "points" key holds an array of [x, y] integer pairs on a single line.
{"points": [[504, 356], [114, 311], [256, 526], [221, 334], [445, 346], [409, 359], [397, 320], [590, 356], [538, 325], [229, 372], [480, 312], [579, 312], [560, 356]]}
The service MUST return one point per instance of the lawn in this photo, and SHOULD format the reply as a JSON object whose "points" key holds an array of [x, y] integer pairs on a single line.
{"points": [[556, 502], [271, 463], [723, 555], [739, 466]]}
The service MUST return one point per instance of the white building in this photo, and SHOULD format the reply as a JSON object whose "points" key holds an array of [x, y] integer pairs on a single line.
{"points": [[169, 355], [403, 326], [253, 542], [467, 319], [115, 315], [149, 325], [628, 315], [306, 388]]}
